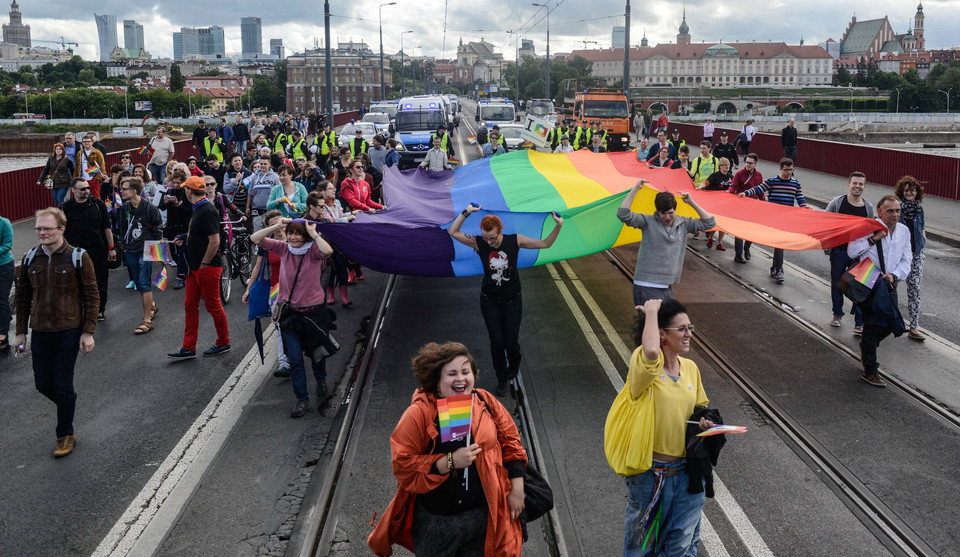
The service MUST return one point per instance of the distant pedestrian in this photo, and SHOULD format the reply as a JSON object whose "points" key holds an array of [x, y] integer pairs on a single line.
{"points": [[748, 177], [788, 139], [726, 149], [89, 226], [225, 132], [638, 124], [173, 201], [163, 152], [393, 157], [851, 203], [6, 282], [61, 314], [199, 134], [880, 314], [746, 136], [663, 122], [57, 174], [647, 123], [782, 189], [500, 299], [660, 255], [708, 129], [241, 135], [202, 257], [910, 192]]}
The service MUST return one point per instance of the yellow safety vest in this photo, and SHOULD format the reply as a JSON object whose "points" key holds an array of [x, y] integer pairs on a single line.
{"points": [[212, 149], [353, 147], [326, 141], [278, 146], [581, 134], [298, 150]]}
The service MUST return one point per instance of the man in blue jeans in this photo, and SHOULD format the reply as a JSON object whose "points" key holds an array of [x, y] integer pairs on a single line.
{"points": [[63, 317], [853, 203]]}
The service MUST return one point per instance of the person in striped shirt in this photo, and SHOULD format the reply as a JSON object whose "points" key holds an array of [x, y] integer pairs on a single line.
{"points": [[782, 189]]}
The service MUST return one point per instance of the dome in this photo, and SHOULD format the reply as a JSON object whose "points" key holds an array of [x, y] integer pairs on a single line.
{"points": [[684, 28], [720, 50]]}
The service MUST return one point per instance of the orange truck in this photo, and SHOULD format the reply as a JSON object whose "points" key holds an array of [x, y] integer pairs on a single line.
{"points": [[610, 108]]}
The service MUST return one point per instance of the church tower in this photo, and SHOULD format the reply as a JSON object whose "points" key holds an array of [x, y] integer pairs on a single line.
{"points": [[918, 28], [16, 32], [644, 43], [683, 37]]}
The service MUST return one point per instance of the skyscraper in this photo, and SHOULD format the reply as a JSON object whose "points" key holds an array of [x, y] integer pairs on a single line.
{"points": [[107, 32], [16, 32], [210, 41], [276, 48], [251, 36], [617, 37], [132, 35]]}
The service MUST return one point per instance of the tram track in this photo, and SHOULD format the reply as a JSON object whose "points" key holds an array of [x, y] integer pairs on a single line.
{"points": [[894, 533]]}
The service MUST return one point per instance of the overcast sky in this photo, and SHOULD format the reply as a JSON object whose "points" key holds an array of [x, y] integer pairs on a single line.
{"points": [[571, 22]]}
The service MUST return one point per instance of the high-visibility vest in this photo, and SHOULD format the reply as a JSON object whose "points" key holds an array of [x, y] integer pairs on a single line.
{"points": [[299, 150], [326, 141], [354, 150], [279, 144], [213, 149], [579, 137]]}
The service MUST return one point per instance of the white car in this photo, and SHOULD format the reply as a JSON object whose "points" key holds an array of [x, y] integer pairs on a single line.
{"points": [[348, 133], [512, 136], [381, 121]]}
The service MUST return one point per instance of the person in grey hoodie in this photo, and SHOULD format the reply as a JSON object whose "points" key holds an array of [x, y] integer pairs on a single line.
{"points": [[377, 152], [660, 256]]}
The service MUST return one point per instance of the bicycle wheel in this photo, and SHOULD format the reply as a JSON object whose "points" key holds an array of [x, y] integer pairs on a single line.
{"points": [[244, 261], [226, 278]]}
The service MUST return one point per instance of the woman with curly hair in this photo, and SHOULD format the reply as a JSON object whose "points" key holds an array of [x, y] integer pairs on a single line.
{"points": [[910, 192]]}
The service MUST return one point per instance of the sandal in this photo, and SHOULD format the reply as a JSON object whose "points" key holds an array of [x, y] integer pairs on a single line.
{"points": [[143, 328], [154, 311]]}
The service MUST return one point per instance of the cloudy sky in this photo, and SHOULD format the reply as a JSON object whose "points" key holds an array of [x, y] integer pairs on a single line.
{"points": [[571, 22]]}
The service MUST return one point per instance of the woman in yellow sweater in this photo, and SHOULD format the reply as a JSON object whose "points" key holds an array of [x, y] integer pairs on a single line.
{"points": [[664, 333]]}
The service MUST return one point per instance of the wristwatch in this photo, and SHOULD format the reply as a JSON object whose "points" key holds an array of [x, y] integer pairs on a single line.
{"points": [[450, 462]]}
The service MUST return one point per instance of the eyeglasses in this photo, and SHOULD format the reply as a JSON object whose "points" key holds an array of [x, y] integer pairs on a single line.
{"points": [[748, 162], [125, 188], [906, 188], [682, 330], [125, 157], [45, 230]]}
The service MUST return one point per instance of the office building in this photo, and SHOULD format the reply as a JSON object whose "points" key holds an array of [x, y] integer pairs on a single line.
{"points": [[356, 78], [132, 35], [251, 36], [617, 37], [276, 48], [107, 33], [210, 41], [16, 32]]}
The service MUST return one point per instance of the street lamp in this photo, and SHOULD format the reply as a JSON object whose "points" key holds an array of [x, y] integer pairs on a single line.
{"points": [[403, 82], [947, 93], [544, 5], [380, 11], [898, 100], [516, 68]]}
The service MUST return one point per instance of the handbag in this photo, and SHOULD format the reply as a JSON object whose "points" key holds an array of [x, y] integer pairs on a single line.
{"points": [[859, 280], [282, 310], [48, 183], [259, 298], [628, 432]]}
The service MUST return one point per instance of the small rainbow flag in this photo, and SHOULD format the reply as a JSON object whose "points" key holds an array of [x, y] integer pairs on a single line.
{"points": [[157, 251], [160, 281], [144, 150], [472, 139], [540, 130], [455, 414], [93, 170], [453, 161], [108, 203], [274, 293], [866, 273]]}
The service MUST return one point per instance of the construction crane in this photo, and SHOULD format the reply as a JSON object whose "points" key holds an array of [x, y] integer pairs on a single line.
{"points": [[62, 42], [586, 42]]}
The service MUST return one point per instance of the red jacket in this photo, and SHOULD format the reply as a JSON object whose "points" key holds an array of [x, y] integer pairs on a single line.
{"points": [[410, 446], [742, 181], [357, 194]]}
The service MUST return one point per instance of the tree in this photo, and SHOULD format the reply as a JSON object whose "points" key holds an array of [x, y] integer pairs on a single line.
{"points": [[212, 72], [140, 75], [842, 77], [87, 75], [176, 79]]}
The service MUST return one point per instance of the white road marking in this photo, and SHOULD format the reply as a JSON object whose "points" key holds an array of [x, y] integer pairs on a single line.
{"points": [[144, 525], [728, 505]]}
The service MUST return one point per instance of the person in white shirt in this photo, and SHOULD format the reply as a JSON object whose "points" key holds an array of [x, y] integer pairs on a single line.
{"points": [[894, 240], [436, 158], [564, 146]]}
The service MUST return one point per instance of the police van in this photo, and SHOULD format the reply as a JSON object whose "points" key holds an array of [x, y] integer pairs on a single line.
{"points": [[417, 120], [495, 111]]}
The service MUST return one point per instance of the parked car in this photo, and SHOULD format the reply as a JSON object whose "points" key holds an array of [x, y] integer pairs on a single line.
{"points": [[512, 136], [349, 131], [382, 123]]}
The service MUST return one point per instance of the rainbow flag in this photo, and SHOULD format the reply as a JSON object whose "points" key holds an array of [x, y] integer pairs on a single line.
{"points": [[160, 281], [540, 130], [93, 170], [585, 188], [157, 251], [144, 150], [472, 139], [274, 293], [455, 413], [453, 161], [866, 272]]}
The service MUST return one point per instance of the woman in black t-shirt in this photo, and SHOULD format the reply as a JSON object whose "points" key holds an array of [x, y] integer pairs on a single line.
{"points": [[500, 301], [719, 181]]}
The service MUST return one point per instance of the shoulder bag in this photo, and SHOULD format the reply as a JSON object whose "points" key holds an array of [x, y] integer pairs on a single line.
{"points": [[628, 432], [282, 310], [259, 298], [858, 281]]}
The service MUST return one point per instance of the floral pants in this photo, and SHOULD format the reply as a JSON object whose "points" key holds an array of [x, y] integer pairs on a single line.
{"points": [[913, 288]]}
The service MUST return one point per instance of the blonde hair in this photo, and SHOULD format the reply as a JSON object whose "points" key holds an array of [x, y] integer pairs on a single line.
{"points": [[54, 212]]}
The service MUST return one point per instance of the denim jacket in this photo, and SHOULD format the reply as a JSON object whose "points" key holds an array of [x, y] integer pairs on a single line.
{"points": [[917, 241]]}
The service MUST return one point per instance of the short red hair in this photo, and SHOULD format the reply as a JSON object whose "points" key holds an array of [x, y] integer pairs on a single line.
{"points": [[491, 222]]}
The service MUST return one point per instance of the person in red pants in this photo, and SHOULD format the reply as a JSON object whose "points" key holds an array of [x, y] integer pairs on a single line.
{"points": [[202, 254]]}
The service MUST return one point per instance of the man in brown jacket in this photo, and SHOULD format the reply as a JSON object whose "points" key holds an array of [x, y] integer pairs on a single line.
{"points": [[89, 157], [57, 295]]}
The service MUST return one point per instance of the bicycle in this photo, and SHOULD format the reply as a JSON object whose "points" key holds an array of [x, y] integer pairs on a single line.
{"points": [[237, 259]]}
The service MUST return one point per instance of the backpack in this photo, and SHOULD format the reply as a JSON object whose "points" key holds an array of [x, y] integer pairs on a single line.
{"points": [[76, 258]]}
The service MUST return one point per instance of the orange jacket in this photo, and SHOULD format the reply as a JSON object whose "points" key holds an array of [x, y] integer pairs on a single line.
{"points": [[411, 445]]}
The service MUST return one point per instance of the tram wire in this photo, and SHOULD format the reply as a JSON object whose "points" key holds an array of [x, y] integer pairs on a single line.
{"points": [[883, 522]]}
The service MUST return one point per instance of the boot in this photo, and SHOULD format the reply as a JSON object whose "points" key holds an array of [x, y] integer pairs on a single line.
{"points": [[351, 278], [330, 298], [343, 297]]}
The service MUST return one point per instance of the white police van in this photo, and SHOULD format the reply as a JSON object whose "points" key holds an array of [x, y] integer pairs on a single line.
{"points": [[495, 111], [417, 120]]}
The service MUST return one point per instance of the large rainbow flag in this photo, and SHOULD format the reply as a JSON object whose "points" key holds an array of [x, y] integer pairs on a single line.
{"points": [[585, 188]]}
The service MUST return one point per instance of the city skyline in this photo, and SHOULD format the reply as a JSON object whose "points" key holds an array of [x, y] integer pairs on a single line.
{"points": [[571, 24]]}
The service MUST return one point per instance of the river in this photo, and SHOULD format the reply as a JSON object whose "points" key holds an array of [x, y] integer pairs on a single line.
{"points": [[16, 162]]}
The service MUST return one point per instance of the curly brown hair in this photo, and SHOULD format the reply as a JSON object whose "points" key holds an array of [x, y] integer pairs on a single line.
{"points": [[908, 180], [431, 358]]}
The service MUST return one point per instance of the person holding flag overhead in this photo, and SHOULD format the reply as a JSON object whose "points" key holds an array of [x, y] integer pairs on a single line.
{"points": [[459, 464], [139, 221]]}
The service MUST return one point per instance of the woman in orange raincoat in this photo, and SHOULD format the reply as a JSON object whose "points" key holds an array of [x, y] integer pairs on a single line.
{"points": [[453, 498]]}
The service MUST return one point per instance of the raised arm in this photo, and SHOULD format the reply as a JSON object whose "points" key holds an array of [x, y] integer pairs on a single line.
{"points": [[530, 243], [628, 201], [454, 230]]}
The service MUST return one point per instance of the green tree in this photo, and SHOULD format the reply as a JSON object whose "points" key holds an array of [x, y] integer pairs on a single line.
{"points": [[212, 72], [176, 78], [842, 77]]}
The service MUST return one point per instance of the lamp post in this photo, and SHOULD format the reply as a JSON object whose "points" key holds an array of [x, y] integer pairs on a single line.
{"points": [[544, 5], [380, 11], [516, 68], [898, 100], [403, 82], [947, 93]]}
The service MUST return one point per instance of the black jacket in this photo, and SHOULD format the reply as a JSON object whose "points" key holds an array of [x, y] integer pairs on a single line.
{"points": [[788, 137], [728, 151], [702, 454]]}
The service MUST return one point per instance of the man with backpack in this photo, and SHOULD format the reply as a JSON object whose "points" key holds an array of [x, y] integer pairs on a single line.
{"points": [[62, 314]]}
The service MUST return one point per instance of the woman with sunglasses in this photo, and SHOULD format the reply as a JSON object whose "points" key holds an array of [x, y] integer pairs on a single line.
{"points": [[323, 205], [356, 191], [126, 161]]}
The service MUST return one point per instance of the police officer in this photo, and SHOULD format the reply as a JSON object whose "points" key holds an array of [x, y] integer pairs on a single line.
{"points": [[358, 145], [325, 141], [298, 147], [277, 142], [213, 145]]}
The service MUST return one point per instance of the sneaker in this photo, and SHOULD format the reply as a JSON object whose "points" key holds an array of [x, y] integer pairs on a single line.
{"points": [[216, 349], [720, 247], [322, 392], [858, 330], [835, 322], [501, 389], [709, 243], [778, 276], [282, 371], [65, 446], [916, 335], [101, 317], [739, 259], [300, 409], [180, 284], [131, 285], [746, 255], [183, 354], [873, 379]]}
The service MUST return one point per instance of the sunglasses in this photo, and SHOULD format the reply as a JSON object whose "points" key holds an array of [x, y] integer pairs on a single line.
{"points": [[82, 189], [359, 167]]}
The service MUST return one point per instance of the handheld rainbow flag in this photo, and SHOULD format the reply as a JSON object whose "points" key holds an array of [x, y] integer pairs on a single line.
{"points": [[274, 293], [472, 139], [866, 273], [718, 429], [93, 170], [453, 161], [160, 281], [455, 414], [144, 150], [157, 251]]}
